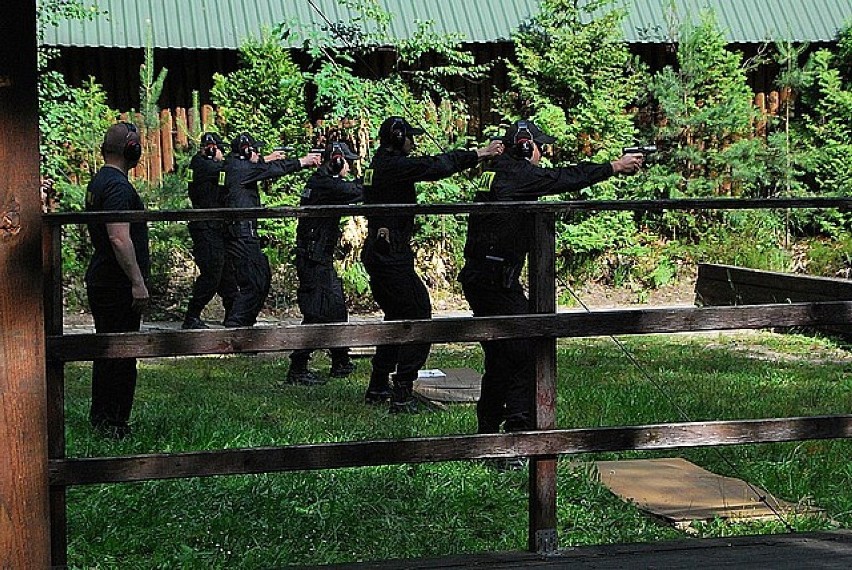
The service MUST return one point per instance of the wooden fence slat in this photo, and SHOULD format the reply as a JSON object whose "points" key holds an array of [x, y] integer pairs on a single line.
{"points": [[570, 324], [181, 128], [309, 457], [166, 137]]}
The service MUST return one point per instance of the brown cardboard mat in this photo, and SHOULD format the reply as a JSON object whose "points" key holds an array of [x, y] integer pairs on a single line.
{"points": [[449, 385], [681, 492]]}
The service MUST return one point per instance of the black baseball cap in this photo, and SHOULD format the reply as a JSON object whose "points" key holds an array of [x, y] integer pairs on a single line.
{"points": [[243, 140], [527, 129], [397, 123], [338, 147], [210, 137]]}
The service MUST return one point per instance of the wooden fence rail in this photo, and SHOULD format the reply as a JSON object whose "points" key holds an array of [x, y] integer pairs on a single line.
{"points": [[544, 325]]}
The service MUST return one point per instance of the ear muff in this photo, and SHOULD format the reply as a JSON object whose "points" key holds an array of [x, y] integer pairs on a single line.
{"points": [[209, 146], [523, 141], [245, 147], [337, 160], [397, 133]]}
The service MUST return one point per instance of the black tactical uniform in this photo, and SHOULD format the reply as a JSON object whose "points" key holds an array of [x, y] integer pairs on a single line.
{"points": [[320, 292], [495, 252], [206, 190], [389, 259], [242, 245]]}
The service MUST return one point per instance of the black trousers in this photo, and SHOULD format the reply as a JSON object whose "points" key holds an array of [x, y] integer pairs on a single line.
{"points": [[253, 276], [113, 380], [214, 274], [401, 294], [320, 298], [509, 378]]}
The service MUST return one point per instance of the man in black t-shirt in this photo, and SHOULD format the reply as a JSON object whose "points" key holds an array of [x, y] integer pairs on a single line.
{"points": [[206, 190], [115, 279]]}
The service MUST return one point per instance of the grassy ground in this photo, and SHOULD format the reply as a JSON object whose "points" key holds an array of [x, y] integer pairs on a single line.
{"points": [[437, 509]]}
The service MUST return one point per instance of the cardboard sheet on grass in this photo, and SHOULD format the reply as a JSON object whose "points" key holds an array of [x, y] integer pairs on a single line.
{"points": [[449, 385], [681, 492]]}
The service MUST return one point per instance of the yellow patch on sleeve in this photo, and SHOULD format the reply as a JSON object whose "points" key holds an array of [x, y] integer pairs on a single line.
{"points": [[486, 179], [368, 177], [222, 178]]}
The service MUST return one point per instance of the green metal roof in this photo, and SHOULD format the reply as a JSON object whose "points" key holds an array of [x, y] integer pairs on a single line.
{"points": [[224, 24]]}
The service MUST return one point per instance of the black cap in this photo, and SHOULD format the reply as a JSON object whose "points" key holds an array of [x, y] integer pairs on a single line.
{"points": [[526, 130], [397, 124], [336, 147], [243, 140], [211, 138]]}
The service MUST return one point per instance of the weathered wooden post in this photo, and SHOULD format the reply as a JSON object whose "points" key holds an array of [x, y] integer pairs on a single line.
{"points": [[542, 273], [24, 521]]}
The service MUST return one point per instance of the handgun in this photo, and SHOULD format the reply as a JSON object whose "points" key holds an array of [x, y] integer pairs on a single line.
{"points": [[283, 149], [643, 150]]}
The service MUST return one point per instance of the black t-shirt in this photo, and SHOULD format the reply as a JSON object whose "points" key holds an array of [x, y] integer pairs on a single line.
{"points": [[320, 235], [110, 190]]}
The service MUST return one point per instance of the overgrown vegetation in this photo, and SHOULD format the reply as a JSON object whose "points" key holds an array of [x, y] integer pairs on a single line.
{"points": [[427, 510], [574, 75]]}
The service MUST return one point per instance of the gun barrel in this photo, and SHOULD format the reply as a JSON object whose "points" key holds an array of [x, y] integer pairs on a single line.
{"points": [[646, 149]]}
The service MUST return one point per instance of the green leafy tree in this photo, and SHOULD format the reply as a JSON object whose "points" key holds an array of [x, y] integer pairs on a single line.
{"points": [[575, 77]]}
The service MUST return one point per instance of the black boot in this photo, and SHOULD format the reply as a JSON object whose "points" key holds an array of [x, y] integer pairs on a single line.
{"points": [[402, 399], [193, 323], [341, 365], [379, 390], [299, 374]]}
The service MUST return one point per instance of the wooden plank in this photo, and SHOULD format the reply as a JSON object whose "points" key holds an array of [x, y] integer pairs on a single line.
{"points": [[24, 511], [571, 324], [542, 535], [729, 285], [794, 551], [182, 128], [458, 208], [166, 146], [726, 284], [311, 457]]}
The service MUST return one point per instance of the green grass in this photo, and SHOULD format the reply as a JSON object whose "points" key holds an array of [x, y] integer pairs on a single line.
{"points": [[439, 509]]}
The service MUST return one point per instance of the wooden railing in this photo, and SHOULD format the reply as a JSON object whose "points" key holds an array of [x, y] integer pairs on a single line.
{"points": [[544, 326]]}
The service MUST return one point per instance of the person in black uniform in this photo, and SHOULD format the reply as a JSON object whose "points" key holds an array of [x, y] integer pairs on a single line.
{"points": [[115, 278], [495, 252], [244, 168], [320, 293], [206, 190], [387, 253]]}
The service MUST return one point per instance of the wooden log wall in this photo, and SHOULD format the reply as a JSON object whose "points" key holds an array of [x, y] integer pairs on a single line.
{"points": [[178, 125]]}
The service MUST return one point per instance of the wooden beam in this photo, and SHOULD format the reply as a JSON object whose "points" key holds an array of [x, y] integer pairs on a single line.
{"points": [[312, 457], [457, 208], [79, 347], [24, 519]]}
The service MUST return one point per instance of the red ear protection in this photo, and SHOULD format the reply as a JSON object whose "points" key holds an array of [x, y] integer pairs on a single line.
{"points": [[245, 147], [523, 140], [337, 160], [397, 133], [209, 146]]}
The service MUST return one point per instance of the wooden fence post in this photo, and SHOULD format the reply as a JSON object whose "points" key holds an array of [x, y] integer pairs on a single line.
{"points": [[24, 519], [542, 274]]}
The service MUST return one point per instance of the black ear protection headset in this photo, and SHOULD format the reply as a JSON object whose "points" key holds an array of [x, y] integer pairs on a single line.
{"points": [[337, 160], [209, 146], [397, 133], [132, 150], [245, 147], [523, 141]]}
